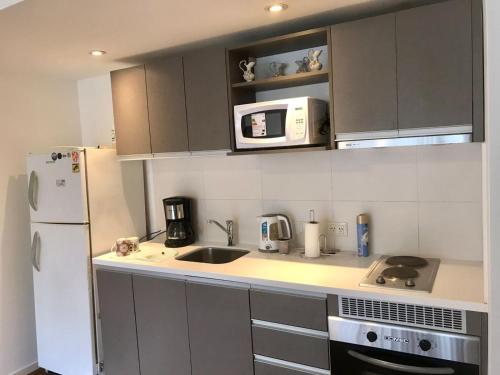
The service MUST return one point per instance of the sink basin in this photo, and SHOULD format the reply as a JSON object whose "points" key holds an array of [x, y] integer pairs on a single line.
{"points": [[214, 255]]}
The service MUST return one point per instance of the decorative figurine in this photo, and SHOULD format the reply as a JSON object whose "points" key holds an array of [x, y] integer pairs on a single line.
{"points": [[314, 63], [277, 68], [303, 65], [248, 75]]}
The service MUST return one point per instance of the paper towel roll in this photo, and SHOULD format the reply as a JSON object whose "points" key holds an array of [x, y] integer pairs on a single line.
{"points": [[312, 240]]}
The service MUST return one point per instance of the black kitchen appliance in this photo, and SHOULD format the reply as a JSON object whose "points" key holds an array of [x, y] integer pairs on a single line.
{"points": [[400, 339], [178, 219]]}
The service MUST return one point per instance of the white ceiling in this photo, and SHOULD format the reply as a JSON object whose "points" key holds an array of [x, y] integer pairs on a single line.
{"points": [[55, 36]]}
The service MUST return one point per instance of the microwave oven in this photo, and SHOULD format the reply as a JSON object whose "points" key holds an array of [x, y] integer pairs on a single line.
{"points": [[281, 123]]}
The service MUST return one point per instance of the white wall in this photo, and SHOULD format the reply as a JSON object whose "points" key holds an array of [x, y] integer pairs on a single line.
{"points": [[492, 167], [96, 111], [34, 113], [422, 200]]}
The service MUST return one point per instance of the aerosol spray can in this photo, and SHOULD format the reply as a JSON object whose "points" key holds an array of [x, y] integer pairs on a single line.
{"points": [[362, 229]]}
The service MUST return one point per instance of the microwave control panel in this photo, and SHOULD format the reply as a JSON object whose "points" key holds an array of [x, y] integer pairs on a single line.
{"points": [[300, 124]]}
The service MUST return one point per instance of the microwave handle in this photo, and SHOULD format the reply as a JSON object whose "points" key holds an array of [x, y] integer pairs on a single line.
{"points": [[399, 367]]}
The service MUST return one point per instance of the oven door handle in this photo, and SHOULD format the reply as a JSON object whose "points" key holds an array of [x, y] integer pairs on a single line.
{"points": [[400, 367]]}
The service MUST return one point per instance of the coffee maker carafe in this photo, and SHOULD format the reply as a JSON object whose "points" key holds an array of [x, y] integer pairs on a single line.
{"points": [[178, 218]]}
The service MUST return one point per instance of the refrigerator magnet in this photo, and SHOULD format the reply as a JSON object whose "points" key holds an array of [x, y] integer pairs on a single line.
{"points": [[75, 167]]}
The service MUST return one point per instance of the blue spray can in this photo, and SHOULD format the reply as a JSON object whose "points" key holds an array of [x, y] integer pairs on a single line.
{"points": [[362, 229]]}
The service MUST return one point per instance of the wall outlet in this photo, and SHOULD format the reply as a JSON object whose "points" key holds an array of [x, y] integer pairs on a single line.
{"points": [[338, 229]]}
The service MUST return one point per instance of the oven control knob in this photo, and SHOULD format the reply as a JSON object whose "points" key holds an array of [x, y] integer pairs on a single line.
{"points": [[371, 336], [410, 283], [380, 280], [425, 345]]}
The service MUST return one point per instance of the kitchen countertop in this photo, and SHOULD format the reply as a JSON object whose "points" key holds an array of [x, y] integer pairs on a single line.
{"points": [[458, 284]]}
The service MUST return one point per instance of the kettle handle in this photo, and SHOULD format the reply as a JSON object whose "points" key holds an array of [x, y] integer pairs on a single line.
{"points": [[288, 225]]}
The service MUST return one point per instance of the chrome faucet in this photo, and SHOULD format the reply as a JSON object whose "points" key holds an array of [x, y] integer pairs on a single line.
{"points": [[228, 230]]}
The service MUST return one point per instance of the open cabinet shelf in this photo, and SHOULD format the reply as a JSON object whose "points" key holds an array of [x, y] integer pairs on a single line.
{"points": [[273, 83]]}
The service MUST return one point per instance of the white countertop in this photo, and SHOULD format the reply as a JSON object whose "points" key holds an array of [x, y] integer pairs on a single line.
{"points": [[458, 285]]}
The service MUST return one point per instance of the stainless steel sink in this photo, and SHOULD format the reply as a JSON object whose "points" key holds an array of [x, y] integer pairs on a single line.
{"points": [[214, 255]]}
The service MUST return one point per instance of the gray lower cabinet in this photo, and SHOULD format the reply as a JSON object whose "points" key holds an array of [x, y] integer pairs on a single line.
{"points": [[167, 105], [219, 329], [434, 64], [162, 327], [364, 75], [118, 328], [206, 99], [130, 109]]}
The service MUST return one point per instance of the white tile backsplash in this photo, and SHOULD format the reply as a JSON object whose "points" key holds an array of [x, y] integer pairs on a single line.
{"points": [[449, 173], [375, 175], [421, 200], [296, 176], [393, 226], [451, 230]]}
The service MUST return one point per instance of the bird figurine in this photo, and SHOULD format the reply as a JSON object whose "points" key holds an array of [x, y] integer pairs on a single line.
{"points": [[314, 63], [303, 65]]}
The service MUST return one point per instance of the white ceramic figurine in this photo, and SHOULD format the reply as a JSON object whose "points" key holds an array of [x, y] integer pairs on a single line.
{"points": [[314, 63], [248, 75]]}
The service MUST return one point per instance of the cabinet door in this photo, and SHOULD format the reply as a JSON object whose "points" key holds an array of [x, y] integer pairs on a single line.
{"points": [[167, 106], [130, 109], [206, 99], [219, 330], [364, 75], [118, 329], [434, 52], [162, 329]]}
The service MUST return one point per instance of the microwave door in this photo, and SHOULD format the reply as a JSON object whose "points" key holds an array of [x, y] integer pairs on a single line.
{"points": [[265, 128]]}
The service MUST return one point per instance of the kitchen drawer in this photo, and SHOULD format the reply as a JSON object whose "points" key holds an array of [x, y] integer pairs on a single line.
{"points": [[295, 310], [306, 347], [271, 366]]}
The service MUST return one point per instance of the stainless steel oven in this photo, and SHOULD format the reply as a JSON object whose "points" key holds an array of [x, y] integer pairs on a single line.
{"points": [[369, 348]]}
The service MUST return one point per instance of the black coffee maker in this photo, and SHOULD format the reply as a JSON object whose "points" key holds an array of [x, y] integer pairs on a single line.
{"points": [[178, 217]]}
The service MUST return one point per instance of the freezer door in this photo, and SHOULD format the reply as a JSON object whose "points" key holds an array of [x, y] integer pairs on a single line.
{"points": [[57, 187], [63, 302]]}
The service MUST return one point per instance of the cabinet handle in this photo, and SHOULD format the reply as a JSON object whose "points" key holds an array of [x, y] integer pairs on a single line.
{"points": [[290, 365]]}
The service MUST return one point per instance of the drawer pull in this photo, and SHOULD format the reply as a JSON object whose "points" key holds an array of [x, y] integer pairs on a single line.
{"points": [[290, 365], [289, 329]]}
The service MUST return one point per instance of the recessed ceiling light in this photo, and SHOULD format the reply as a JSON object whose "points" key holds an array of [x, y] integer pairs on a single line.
{"points": [[278, 7], [97, 52]]}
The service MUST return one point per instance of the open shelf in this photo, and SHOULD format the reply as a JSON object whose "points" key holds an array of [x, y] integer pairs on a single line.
{"points": [[273, 83]]}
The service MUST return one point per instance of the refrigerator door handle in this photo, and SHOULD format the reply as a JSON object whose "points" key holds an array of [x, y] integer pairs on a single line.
{"points": [[33, 191], [35, 251]]}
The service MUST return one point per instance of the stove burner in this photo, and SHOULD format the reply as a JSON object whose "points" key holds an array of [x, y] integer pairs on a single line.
{"points": [[400, 273], [407, 261]]}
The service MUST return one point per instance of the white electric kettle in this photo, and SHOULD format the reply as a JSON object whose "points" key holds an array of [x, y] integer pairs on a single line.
{"points": [[273, 227]]}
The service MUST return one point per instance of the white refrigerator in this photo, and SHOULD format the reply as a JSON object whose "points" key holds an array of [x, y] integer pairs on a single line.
{"points": [[81, 200]]}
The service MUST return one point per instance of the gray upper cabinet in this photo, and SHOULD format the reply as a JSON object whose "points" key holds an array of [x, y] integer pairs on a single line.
{"points": [[364, 75], [434, 64], [206, 99], [118, 329], [167, 106], [130, 109], [219, 329], [162, 327]]}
